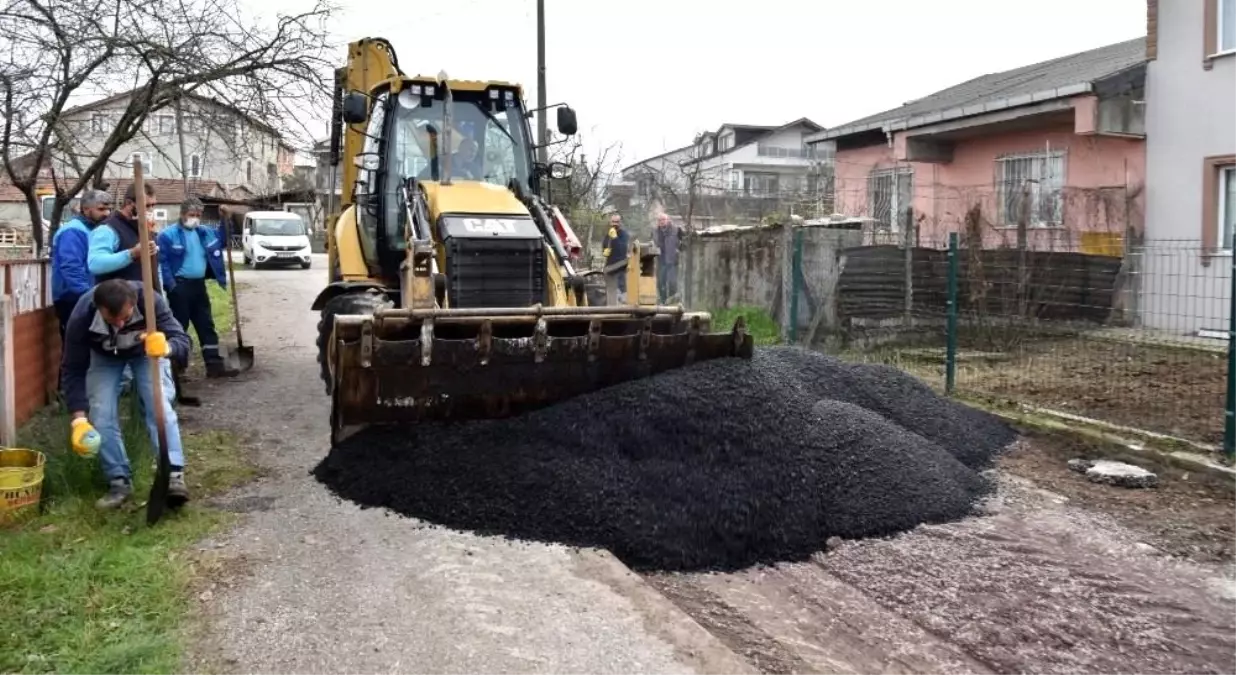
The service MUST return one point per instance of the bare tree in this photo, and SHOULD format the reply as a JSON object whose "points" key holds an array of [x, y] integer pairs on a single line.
{"points": [[55, 53], [585, 196], [680, 187]]}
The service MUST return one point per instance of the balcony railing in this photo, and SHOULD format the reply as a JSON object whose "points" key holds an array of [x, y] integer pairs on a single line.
{"points": [[791, 153]]}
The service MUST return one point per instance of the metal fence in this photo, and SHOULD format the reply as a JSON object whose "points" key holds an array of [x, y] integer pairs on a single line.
{"points": [[1139, 340]]}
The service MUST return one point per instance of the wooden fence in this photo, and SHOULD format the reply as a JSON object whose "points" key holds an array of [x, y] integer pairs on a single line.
{"points": [[29, 343], [1025, 284]]}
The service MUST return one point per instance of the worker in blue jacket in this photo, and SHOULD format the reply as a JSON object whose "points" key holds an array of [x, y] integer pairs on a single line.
{"points": [[115, 244], [191, 255], [70, 272]]}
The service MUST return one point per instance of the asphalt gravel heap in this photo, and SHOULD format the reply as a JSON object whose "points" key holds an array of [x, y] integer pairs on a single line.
{"points": [[722, 465]]}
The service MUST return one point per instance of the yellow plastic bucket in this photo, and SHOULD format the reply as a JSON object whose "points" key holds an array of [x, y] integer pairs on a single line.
{"points": [[21, 483]]}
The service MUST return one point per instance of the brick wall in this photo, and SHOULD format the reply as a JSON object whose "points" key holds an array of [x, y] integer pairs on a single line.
{"points": [[36, 339]]}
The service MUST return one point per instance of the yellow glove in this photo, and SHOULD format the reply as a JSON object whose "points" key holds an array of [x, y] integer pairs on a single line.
{"points": [[84, 438], [156, 345]]}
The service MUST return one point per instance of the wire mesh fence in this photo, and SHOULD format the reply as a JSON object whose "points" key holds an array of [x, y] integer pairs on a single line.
{"points": [[1137, 339]]}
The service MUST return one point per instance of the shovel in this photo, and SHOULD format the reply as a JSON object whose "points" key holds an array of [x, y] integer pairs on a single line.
{"points": [[240, 358], [163, 471]]}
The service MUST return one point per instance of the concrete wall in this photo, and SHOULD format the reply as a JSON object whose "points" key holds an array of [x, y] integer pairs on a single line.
{"points": [[733, 269], [16, 214], [1190, 113], [747, 268], [1097, 171]]}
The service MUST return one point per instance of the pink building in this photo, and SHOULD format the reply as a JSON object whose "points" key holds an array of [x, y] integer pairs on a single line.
{"points": [[1060, 144]]}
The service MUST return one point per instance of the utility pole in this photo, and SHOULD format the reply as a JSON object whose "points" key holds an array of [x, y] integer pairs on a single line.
{"points": [[542, 126], [180, 137]]}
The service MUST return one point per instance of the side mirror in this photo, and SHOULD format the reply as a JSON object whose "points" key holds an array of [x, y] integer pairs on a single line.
{"points": [[355, 108], [560, 170], [566, 121]]}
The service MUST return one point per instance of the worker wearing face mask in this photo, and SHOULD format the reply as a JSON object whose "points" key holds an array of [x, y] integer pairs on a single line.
{"points": [[115, 244], [191, 255]]}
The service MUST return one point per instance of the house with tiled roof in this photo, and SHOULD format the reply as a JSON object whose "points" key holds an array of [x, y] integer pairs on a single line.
{"points": [[221, 143], [1058, 145], [735, 161], [207, 150]]}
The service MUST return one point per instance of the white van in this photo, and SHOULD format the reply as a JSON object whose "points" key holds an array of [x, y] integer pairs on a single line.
{"points": [[275, 238]]}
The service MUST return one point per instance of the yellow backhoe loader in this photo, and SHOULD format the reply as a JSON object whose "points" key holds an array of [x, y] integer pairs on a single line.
{"points": [[451, 295]]}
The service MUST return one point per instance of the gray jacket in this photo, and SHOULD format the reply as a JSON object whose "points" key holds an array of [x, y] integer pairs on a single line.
{"points": [[667, 239]]}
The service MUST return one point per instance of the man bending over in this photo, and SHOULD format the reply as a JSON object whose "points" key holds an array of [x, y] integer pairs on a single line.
{"points": [[107, 333]]}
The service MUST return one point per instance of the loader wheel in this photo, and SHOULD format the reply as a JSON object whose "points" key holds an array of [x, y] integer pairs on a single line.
{"points": [[357, 302]]}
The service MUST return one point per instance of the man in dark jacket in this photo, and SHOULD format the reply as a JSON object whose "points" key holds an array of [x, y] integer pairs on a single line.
{"points": [[667, 238], [191, 255], [616, 244], [115, 245], [107, 334]]}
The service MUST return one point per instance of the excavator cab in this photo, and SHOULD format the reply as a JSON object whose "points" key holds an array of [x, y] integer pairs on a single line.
{"points": [[451, 293]]}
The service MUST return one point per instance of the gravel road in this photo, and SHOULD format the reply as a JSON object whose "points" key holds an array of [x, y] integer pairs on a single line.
{"points": [[309, 583], [312, 584]]}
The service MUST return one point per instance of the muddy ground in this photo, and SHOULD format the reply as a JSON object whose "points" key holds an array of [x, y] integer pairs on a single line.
{"points": [[1055, 575], [1175, 390], [1058, 575]]}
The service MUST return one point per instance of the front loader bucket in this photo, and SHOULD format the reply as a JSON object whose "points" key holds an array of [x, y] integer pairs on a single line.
{"points": [[404, 365]]}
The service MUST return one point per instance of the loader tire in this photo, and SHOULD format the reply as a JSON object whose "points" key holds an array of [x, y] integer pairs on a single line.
{"points": [[357, 302]]}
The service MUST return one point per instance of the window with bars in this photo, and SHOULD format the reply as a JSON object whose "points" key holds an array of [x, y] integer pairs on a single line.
{"points": [[195, 166], [881, 197], [1034, 183]]}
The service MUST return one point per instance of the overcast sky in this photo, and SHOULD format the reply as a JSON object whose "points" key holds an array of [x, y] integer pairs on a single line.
{"points": [[650, 74]]}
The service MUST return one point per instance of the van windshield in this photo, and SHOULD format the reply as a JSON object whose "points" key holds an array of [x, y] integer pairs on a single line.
{"points": [[278, 227]]}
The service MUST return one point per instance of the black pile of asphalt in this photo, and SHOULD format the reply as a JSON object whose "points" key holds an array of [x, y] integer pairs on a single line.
{"points": [[718, 466]]}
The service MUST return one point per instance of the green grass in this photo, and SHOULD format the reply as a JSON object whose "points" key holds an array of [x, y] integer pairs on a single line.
{"points": [[220, 308], [760, 323], [92, 592]]}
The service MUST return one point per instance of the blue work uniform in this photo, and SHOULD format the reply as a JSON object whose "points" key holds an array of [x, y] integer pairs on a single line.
{"points": [[187, 258], [70, 273]]}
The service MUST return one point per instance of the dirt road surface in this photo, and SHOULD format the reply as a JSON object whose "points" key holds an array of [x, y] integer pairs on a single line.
{"points": [[1040, 583]]}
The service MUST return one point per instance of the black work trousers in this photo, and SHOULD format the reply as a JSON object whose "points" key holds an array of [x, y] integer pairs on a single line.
{"points": [[190, 303], [64, 309]]}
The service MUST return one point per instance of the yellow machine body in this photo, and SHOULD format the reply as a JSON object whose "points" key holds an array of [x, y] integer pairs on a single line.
{"points": [[450, 295]]}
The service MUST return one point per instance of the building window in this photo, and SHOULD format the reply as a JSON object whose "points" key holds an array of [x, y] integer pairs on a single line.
{"points": [[163, 123], [735, 179], [1226, 38], [1226, 208], [727, 142], [881, 196], [195, 166], [760, 183], [1040, 177], [99, 124], [248, 171]]}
